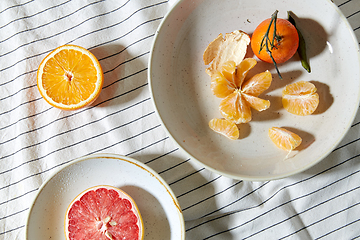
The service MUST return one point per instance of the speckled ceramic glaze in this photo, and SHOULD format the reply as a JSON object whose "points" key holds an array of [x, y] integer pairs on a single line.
{"points": [[157, 203], [181, 88]]}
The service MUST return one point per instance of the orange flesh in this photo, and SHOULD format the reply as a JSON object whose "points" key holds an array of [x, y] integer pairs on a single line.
{"points": [[284, 139], [225, 127], [69, 77], [239, 95], [300, 98]]}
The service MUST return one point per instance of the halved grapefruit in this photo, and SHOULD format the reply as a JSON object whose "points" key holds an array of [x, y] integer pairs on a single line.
{"points": [[103, 212]]}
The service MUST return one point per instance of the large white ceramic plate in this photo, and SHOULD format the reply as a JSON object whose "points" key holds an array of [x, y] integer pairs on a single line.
{"points": [[181, 88], [157, 203]]}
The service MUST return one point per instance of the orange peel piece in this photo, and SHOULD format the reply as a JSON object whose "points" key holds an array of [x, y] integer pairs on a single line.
{"points": [[232, 47]]}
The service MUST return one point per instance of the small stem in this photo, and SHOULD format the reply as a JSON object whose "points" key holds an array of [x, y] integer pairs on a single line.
{"points": [[266, 41]]}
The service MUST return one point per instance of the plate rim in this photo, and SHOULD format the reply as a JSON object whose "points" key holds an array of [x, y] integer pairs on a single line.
{"points": [[242, 176], [119, 157]]}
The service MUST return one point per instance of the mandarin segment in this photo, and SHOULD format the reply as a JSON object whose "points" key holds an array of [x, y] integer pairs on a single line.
{"points": [[242, 70], [256, 103], [257, 84], [235, 108], [220, 86], [300, 98], [228, 69], [225, 127], [284, 138]]}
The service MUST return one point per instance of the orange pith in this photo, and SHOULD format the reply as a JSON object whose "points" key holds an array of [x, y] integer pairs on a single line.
{"points": [[240, 95], [225, 127], [284, 138], [300, 98], [285, 47], [70, 77]]}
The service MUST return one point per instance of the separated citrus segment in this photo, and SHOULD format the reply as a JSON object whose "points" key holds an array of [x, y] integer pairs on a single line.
{"points": [[224, 127], [284, 138], [70, 77], [243, 68], [235, 108], [256, 103], [300, 98], [103, 212], [222, 83], [220, 86], [257, 84], [228, 69]]}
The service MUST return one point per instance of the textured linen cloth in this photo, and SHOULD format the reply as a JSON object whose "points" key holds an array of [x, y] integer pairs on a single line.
{"points": [[36, 139]]}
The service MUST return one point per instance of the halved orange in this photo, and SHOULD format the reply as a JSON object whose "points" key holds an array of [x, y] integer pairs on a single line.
{"points": [[225, 127], [300, 98], [103, 212], [284, 138], [70, 77]]}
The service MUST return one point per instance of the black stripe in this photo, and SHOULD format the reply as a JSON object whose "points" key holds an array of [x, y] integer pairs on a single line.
{"points": [[127, 47], [163, 155], [34, 71], [50, 22], [114, 113], [19, 196], [29, 16], [13, 214], [353, 14], [174, 166], [70, 41], [71, 130], [122, 63], [280, 190], [82, 141], [147, 146], [11, 230], [237, 200], [212, 196], [75, 26], [189, 175], [337, 229], [340, 5], [124, 35], [14, 6], [83, 110], [346, 144], [330, 215], [203, 185], [236, 227]]}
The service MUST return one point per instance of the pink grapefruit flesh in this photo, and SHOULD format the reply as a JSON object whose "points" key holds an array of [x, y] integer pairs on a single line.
{"points": [[103, 213]]}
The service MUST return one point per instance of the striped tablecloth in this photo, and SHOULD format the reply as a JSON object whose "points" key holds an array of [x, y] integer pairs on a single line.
{"points": [[37, 140]]}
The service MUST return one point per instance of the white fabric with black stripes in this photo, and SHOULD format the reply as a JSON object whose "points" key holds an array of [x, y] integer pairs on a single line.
{"points": [[36, 139]]}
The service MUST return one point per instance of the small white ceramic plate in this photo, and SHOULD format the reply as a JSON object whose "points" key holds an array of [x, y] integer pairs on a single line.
{"points": [[157, 203], [181, 88]]}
